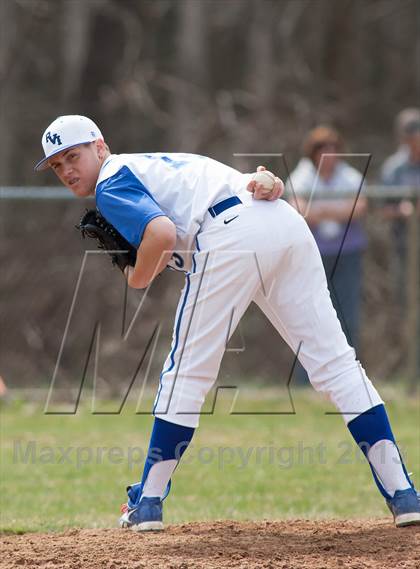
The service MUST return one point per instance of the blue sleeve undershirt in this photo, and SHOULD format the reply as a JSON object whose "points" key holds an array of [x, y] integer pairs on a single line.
{"points": [[127, 204]]}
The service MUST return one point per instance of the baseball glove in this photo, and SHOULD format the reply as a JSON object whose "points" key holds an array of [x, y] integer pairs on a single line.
{"points": [[94, 225]]}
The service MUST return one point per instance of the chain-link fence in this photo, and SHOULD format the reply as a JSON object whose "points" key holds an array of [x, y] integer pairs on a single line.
{"points": [[41, 258]]}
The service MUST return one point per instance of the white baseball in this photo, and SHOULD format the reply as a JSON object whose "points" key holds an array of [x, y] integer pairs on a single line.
{"points": [[267, 179]]}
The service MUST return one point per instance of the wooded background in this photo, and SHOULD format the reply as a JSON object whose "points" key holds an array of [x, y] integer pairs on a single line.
{"points": [[210, 76], [216, 77]]}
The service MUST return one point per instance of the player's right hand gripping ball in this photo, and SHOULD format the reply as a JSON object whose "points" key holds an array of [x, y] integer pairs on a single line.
{"points": [[265, 178], [94, 225]]}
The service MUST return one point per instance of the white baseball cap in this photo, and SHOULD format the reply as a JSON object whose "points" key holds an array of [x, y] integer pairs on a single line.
{"points": [[66, 132]]}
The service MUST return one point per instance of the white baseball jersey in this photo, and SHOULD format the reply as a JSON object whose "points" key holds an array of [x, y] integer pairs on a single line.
{"points": [[132, 189]]}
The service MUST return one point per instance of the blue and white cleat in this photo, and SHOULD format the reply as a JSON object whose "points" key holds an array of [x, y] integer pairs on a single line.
{"points": [[405, 507], [145, 516]]}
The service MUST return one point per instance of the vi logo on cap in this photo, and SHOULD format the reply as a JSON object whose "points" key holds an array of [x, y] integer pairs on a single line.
{"points": [[54, 139]]}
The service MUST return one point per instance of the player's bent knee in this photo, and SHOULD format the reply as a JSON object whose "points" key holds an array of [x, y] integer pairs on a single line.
{"points": [[345, 383]]}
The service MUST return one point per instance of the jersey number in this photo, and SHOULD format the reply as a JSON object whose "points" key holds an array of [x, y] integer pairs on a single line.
{"points": [[178, 260]]}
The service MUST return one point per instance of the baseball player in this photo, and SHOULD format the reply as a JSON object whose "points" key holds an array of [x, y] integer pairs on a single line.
{"points": [[194, 214]]}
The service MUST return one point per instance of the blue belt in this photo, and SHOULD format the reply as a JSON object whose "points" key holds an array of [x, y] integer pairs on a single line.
{"points": [[224, 205]]}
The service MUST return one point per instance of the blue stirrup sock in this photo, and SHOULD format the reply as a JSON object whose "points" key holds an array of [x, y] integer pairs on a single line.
{"points": [[372, 432], [168, 443]]}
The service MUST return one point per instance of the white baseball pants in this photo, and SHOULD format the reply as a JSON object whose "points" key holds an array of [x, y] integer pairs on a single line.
{"points": [[265, 255]]}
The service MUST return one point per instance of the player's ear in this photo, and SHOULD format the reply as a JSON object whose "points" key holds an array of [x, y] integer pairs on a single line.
{"points": [[101, 148]]}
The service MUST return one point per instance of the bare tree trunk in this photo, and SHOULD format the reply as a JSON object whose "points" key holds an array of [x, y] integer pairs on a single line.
{"points": [[8, 79], [417, 50], [260, 76], [191, 65], [75, 43]]}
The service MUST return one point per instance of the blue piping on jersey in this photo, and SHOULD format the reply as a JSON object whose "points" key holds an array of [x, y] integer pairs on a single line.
{"points": [[177, 327], [174, 163]]}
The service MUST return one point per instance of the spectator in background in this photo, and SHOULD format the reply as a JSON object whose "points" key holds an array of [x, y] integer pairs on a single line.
{"points": [[3, 388], [322, 169], [402, 169]]}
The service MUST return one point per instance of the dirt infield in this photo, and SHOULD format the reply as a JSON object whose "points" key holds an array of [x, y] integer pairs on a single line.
{"points": [[289, 544]]}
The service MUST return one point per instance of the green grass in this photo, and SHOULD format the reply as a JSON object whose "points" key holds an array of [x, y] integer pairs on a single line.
{"points": [[335, 481]]}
